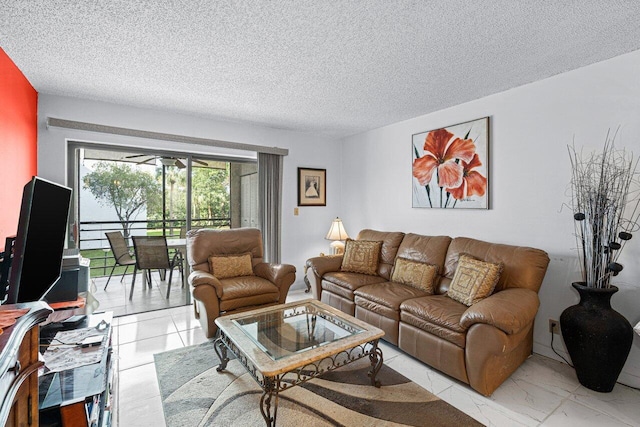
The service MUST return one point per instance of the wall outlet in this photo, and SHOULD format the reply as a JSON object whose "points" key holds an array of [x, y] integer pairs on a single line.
{"points": [[554, 326]]}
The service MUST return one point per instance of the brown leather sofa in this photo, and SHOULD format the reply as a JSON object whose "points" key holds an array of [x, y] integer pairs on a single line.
{"points": [[480, 345], [268, 285]]}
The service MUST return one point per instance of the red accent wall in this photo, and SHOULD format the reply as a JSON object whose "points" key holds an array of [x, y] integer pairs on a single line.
{"points": [[18, 142]]}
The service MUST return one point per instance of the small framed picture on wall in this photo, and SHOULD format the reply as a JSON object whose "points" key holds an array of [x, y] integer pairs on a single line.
{"points": [[312, 187]]}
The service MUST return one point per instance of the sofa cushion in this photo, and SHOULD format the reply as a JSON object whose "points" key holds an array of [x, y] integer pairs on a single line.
{"points": [[361, 256], [385, 298], [342, 283], [391, 240], [247, 291], [436, 314], [420, 275], [429, 249], [474, 280], [524, 267], [434, 351], [441, 333], [234, 265]]}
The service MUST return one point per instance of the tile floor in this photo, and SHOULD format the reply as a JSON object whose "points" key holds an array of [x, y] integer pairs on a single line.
{"points": [[116, 297], [542, 392]]}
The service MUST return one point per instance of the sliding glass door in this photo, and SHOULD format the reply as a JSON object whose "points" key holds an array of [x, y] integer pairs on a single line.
{"points": [[146, 193]]}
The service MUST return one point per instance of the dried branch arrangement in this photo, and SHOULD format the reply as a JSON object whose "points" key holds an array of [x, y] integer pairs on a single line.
{"points": [[606, 207]]}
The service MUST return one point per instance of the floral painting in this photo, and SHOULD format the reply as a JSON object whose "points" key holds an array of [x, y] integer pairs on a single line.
{"points": [[450, 166]]}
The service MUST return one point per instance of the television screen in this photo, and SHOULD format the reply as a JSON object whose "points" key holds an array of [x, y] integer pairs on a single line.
{"points": [[40, 240]]}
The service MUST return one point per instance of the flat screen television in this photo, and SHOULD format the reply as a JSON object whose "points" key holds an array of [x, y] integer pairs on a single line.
{"points": [[40, 239]]}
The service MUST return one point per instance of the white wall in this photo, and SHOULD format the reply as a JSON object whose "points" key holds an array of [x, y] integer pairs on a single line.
{"points": [[302, 235], [530, 128]]}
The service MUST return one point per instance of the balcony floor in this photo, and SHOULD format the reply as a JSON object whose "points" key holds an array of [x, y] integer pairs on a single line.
{"points": [[116, 297]]}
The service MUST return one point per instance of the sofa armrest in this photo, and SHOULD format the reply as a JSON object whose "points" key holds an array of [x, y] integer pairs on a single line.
{"points": [[325, 264], [510, 310], [202, 278], [282, 275], [276, 273]]}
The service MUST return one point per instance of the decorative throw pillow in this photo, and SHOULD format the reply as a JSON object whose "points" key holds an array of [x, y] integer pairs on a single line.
{"points": [[420, 275], [225, 266], [361, 256], [473, 280]]}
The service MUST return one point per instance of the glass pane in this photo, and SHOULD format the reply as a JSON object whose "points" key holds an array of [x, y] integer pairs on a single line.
{"points": [[145, 193], [284, 332], [210, 194], [172, 171], [118, 191]]}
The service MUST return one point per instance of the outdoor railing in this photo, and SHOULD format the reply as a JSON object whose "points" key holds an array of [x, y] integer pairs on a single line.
{"points": [[93, 243]]}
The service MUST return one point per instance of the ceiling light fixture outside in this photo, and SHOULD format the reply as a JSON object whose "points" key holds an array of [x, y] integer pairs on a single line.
{"points": [[168, 161]]}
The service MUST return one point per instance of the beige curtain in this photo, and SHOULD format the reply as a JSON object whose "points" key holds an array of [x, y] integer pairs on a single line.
{"points": [[270, 203]]}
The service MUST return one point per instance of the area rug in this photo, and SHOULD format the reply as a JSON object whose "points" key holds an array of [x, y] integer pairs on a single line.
{"points": [[194, 394]]}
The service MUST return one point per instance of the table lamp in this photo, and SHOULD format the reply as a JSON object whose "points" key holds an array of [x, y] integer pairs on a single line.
{"points": [[338, 234]]}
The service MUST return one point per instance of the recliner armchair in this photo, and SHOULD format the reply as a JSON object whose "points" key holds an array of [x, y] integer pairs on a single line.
{"points": [[214, 297]]}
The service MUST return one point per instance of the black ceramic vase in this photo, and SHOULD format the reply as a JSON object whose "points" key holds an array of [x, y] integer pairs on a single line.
{"points": [[597, 337]]}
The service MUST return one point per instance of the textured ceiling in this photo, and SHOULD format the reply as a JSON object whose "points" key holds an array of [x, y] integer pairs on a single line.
{"points": [[333, 67]]}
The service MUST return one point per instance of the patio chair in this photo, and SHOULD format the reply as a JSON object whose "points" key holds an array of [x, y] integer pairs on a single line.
{"points": [[120, 252], [152, 253]]}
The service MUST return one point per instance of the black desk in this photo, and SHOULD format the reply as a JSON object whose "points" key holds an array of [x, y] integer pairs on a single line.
{"points": [[66, 397]]}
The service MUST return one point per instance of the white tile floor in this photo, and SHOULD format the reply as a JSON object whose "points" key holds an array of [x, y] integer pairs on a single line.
{"points": [[542, 392], [116, 297]]}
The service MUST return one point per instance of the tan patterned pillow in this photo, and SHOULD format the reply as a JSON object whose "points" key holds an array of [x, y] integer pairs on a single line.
{"points": [[225, 266], [420, 275], [361, 256], [473, 280]]}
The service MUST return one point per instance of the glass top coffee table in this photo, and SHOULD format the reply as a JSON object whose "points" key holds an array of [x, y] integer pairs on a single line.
{"points": [[285, 345]]}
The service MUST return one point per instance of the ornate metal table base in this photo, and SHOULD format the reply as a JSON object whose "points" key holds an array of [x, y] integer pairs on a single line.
{"points": [[273, 385], [221, 351], [375, 356], [307, 284]]}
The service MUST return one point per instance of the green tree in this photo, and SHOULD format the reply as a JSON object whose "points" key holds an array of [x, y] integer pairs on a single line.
{"points": [[175, 198], [210, 192], [124, 188]]}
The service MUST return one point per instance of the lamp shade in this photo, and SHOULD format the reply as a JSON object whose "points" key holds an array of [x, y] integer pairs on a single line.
{"points": [[337, 231]]}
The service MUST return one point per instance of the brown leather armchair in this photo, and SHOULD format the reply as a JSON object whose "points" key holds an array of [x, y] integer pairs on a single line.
{"points": [[214, 297]]}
